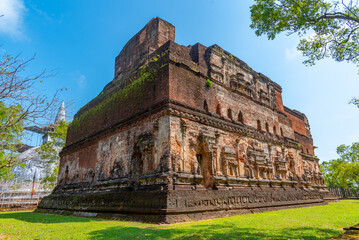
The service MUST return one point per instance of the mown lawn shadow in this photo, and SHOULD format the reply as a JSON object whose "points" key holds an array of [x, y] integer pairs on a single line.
{"points": [[217, 232], [33, 217]]}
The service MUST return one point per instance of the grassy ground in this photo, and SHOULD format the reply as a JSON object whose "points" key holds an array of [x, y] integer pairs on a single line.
{"points": [[319, 222]]}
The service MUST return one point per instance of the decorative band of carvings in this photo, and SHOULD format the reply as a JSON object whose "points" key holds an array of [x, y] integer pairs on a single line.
{"points": [[181, 110], [187, 178], [246, 200], [183, 179], [155, 111], [174, 108], [240, 63], [187, 201], [205, 76]]}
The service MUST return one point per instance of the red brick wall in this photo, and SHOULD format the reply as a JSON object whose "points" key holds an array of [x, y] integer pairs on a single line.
{"points": [[156, 33], [306, 143], [298, 124], [138, 100]]}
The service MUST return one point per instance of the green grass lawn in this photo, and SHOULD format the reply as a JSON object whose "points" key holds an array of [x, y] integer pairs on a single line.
{"points": [[319, 222]]}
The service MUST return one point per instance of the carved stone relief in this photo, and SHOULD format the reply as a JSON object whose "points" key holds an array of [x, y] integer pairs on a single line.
{"points": [[259, 164], [229, 162], [206, 155], [280, 166]]}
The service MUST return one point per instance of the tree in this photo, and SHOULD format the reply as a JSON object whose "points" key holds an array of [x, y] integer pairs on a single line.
{"points": [[326, 28], [49, 152], [355, 101], [334, 26], [344, 171], [20, 104], [10, 136]]}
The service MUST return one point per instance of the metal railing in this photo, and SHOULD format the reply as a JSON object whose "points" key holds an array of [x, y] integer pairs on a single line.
{"points": [[16, 195]]}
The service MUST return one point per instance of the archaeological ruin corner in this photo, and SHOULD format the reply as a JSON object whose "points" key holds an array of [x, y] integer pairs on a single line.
{"points": [[185, 133]]}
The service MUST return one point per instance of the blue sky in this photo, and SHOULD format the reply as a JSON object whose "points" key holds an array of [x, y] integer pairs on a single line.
{"points": [[80, 40]]}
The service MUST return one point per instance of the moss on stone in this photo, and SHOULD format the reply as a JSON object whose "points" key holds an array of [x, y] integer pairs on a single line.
{"points": [[147, 73], [107, 99], [209, 83]]}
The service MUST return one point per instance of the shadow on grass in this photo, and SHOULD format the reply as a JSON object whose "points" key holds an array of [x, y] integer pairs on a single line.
{"points": [[33, 217], [354, 200], [219, 231]]}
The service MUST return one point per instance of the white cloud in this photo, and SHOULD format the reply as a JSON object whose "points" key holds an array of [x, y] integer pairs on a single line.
{"points": [[81, 81], [291, 54], [41, 13], [79, 78], [11, 22]]}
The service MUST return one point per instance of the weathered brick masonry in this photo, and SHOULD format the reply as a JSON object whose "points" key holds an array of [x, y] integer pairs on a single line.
{"points": [[185, 133]]}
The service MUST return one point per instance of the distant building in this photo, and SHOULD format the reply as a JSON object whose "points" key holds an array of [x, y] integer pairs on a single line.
{"points": [[30, 154]]}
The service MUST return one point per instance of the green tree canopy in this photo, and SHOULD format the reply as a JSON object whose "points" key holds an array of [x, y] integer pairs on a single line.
{"points": [[332, 26], [327, 28], [11, 129], [49, 153], [344, 171], [21, 104]]}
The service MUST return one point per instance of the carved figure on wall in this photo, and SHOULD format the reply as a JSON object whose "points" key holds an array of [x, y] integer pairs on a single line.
{"points": [[280, 166], [229, 162], [233, 82], [142, 158], [270, 169], [293, 176], [315, 178], [263, 97], [250, 165], [241, 163], [197, 164], [318, 178], [217, 75], [237, 81], [205, 159], [176, 163], [117, 168], [290, 176], [259, 163], [291, 166], [146, 144], [321, 179], [309, 175]]}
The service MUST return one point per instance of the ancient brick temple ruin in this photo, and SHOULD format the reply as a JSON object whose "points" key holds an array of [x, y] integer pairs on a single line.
{"points": [[185, 133]]}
